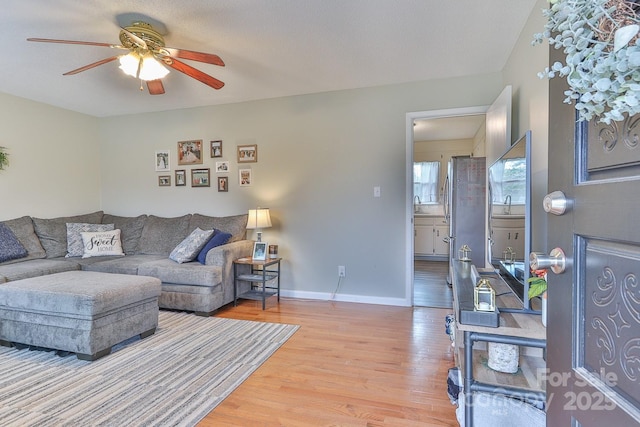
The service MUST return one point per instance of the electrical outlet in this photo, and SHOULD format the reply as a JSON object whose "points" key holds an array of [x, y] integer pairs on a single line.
{"points": [[341, 271]]}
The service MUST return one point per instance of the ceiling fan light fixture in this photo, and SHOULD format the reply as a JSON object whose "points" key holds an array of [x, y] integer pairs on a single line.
{"points": [[142, 67]]}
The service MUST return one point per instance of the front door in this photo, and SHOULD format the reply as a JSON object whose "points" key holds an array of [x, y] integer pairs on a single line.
{"points": [[593, 334]]}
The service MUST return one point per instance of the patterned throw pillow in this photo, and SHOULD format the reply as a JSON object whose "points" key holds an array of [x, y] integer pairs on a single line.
{"points": [[101, 243], [190, 247], [74, 238], [10, 246]]}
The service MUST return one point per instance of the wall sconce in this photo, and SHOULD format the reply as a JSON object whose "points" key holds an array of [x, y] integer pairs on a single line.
{"points": [[259, 219], [484, 297]]}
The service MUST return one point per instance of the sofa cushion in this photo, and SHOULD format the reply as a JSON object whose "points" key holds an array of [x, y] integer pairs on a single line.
{"points": [[101, 243], [219, 238], [53, 232], [160, 235], [190, 247], [131, 230], [23, 229], [121, 265], [189, 273], [236, 225], [10, 246], [75, 247], [36, 267]]}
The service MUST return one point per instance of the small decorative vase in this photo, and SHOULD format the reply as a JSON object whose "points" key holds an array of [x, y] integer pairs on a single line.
{"points": [[503, 357], [543, 298]]}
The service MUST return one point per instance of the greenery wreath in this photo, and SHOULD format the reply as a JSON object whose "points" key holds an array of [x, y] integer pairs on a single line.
{"points": [[602, 66], [4, 158]]}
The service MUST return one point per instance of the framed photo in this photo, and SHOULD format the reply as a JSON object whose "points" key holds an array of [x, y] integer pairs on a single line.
{"points": [[259, 251], [248, 153], [244, 176], [216, 148], [200, 178], [223, 183], [222, 167], [162, 161], [164, 180], [190, 152], [181, 178]]}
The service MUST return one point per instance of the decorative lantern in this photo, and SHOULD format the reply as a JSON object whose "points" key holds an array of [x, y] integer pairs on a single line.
{"points": [[463, 253], [484, 297], [508, 255]]}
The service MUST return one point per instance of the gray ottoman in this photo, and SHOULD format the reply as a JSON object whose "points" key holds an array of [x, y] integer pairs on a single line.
{"points": [[82, 312]]}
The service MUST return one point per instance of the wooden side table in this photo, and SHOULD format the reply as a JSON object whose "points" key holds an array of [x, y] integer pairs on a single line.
{"points": [[261, 275]]}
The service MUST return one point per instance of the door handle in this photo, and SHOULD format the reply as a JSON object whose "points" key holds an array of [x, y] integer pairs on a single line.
{"points": [[556, 260]]}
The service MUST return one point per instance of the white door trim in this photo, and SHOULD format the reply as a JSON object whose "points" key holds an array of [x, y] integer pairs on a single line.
{"points": [[410, 117]]}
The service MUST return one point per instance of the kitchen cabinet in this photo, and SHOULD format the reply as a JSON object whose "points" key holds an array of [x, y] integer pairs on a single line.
{"points": [[429, 235], [505, 233]]}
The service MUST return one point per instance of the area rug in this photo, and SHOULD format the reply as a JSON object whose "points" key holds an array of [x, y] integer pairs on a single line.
{"points": [[172, 378]]}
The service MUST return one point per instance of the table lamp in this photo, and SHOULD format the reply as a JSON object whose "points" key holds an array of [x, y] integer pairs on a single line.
{"points": [[259, 219]]}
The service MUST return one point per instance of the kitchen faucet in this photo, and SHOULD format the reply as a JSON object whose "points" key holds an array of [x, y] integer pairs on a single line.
{"points": [[416, 205], [507, 203]]}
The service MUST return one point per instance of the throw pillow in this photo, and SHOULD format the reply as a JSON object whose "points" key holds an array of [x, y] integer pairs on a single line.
{"points": [[10, 246], [236, 225], [74, 238], [219, 238], [101, 243], [189, 248], [23, 229]]}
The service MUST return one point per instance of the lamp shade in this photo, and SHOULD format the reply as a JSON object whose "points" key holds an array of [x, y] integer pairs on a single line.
{"points": [[258, 219], [143, 67]]}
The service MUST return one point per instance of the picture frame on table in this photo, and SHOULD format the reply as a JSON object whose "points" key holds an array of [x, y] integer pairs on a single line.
{"points": [[190, 152], [222, 167], [260, 251], [248, 153], [200, 178], [216, 148], [162, 161], [244, 177], [181, 178], [164, 180], [223, 183]]}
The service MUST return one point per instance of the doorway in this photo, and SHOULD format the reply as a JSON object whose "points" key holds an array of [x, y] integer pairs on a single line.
{"points": [[427, 284]]}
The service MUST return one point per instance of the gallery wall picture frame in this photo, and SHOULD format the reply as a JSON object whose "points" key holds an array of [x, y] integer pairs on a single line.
{"points": [[200, 178], [162, 161], [222, 167], [244, 177], [164, 180], [181, 178], [223, 184], [259, 251], [248, 153], [216, 148], [190, 152]]}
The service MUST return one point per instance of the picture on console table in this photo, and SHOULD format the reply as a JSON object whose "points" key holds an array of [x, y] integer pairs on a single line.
{"points": [[200, 178], [260, 251], [162, 161], [190, 152]]}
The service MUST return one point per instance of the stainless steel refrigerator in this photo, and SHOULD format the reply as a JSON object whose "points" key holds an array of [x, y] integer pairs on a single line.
{"points": [[465, 207]]}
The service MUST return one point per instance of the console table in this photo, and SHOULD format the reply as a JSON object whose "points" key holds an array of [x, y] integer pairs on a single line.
{"points": [[523, 329], [260, 275]]}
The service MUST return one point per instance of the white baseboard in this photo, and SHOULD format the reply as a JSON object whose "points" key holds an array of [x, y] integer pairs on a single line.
{"points": [[344, 298]]}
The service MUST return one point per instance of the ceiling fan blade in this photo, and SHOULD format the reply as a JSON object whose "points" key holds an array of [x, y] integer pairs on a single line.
{"points": [[88, 67], [114, 46], [196, 74], [155, 87], [208, 58]]}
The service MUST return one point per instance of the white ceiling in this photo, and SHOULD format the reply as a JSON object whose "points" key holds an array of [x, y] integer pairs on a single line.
{"points": [[271, 48]]}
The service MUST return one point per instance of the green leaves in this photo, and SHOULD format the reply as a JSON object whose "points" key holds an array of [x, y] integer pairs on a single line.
{"points": [[4, 158], [537, 286]]}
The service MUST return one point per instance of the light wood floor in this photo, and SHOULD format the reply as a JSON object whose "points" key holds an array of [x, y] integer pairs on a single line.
{"points": [[430, 287], [348, 365]]}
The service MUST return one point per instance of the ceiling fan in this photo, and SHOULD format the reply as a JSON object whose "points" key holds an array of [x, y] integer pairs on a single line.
{"points": [[148, 56]]}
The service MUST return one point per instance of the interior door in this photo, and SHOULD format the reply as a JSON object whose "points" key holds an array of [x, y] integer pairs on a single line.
{"points": [[593, 334]]}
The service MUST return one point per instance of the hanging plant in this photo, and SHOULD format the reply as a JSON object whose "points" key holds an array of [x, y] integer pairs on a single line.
{"points": [[4, 158], [602, 66]]}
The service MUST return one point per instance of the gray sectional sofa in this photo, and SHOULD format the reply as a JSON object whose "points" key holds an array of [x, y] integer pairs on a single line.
{"points": [[147, 241]]}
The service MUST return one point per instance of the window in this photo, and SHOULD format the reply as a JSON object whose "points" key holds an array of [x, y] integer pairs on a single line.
{"points": [[508, 178], [425, 181]]}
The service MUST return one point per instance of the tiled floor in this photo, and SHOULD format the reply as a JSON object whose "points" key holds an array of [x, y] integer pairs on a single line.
{"points": [[430, 287]]}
